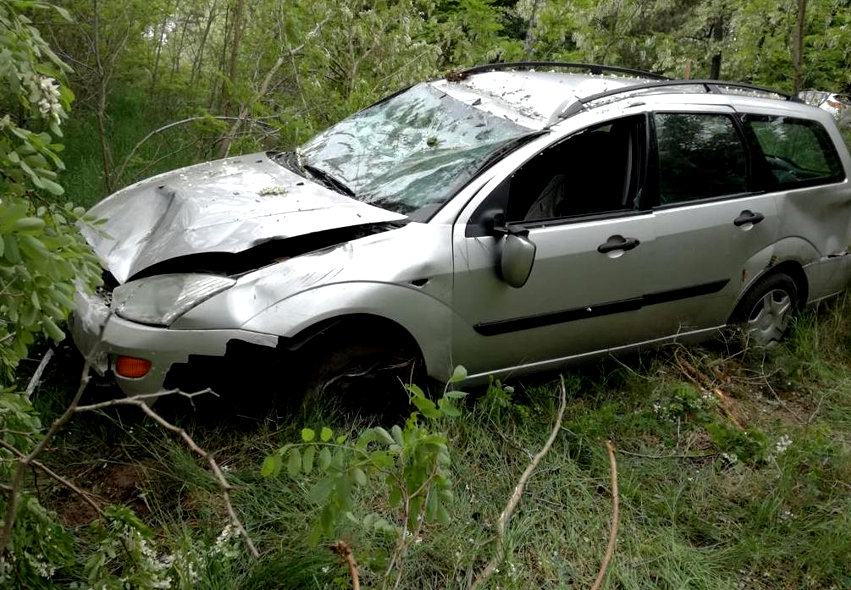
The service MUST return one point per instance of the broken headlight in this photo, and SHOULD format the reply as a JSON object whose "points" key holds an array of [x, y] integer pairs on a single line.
{"points": [[162, 299]]}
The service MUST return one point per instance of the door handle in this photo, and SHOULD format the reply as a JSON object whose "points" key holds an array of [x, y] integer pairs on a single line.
{"points": [[748, 216], [617, 242]]}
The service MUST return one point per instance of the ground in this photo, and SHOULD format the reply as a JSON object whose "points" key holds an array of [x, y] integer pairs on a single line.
{"points": [[734, 469]]}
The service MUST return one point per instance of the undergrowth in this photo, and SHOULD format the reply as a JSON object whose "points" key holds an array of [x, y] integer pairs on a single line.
{"points": [[734, 472]]}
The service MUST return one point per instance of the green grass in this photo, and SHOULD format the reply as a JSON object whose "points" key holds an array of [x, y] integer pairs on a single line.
{"points": [[129, 120], [710, 494]]}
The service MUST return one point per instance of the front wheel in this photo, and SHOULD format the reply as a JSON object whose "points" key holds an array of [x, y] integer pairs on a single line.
{"points": [[360, 376], [767, 309]]}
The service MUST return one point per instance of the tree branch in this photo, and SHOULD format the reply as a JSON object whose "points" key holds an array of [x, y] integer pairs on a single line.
{"points": [[65, 482], [264, 87], [208, 457], [342, 549], [613, 532], [142, 141], [514, 500], [38, 372]]}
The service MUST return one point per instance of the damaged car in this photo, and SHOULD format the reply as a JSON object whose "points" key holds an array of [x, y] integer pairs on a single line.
{"points": [[509, 218]]}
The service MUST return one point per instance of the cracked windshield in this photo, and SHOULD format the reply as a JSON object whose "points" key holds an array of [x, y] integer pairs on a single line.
{"points": [[415, 149]]}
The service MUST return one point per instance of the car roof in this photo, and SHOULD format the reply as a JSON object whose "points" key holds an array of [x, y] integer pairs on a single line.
{"points": [[539, 95], [529, 97]]}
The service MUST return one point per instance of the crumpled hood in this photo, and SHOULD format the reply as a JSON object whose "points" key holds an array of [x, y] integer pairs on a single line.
{"points": [[226, 205]]}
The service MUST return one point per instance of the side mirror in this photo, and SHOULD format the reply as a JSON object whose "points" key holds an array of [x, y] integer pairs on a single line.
{"points": [[517, 259]]}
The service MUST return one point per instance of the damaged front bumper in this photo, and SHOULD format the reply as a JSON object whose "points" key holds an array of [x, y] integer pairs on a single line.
{"points": [[102, 336]]}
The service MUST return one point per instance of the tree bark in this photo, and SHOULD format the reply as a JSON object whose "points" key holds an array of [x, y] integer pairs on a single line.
{"points": [[199, 58], [798, 49], [100, 113], [717, 37], [232, 68], [233, 60], [531, 37], [156, 67]]}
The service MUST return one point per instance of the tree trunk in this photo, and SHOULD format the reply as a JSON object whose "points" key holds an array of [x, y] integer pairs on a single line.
{"points": [[199, 58], [233, 63], [175, 63], [717, 37], [156, 68], [217, 83], [531, 38], [798, 49], [232, 68], [100, 113]]}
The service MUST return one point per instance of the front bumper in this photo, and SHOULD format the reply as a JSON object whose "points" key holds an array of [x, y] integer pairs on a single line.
{"points": [[101, 336]]}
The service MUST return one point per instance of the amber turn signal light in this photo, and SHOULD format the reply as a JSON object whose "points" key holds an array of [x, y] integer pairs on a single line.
{"points": [[131, 367]]}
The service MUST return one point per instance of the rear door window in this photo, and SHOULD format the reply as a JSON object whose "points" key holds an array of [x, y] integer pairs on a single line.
{"points": [[797, 152], [700, 156]]}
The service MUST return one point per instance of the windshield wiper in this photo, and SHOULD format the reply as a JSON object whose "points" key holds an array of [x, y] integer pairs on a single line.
{"points": [[506, 149], [328, 180], [294, 162]]}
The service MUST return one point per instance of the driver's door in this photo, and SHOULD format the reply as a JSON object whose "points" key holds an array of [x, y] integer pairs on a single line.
{"points": [[580, 202]]}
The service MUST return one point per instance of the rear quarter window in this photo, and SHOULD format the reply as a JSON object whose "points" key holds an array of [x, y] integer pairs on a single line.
{"points": [[797, 152]]}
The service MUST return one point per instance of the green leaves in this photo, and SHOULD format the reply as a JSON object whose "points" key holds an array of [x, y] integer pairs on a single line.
{"points": [[294, 462], [410, 462], [42, 255]]}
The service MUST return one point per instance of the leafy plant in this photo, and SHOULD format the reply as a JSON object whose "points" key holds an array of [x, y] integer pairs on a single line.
{"points": [[410, 462], [749, 446], [42, 256], [498, 402]]}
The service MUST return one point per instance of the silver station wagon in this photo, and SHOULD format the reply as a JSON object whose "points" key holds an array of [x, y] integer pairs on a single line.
{"points": [[510, 218]]}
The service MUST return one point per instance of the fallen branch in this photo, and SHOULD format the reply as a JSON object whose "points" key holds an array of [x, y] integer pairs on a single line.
{"points": [[514, 500], [14, 489], [613, 533], [672, 456], [214, 467], [342, 549], [65, 482], [142, 141], [38, 373], [142, 397]]}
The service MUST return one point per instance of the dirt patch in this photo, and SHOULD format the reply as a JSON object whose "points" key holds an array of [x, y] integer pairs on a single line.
{"points": [[106, 483]]}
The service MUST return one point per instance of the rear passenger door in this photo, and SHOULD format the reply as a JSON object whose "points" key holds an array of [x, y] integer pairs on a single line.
{"points": [[803, 169], [711, 217]]}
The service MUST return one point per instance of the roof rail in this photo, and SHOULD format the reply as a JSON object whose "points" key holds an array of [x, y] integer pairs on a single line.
{"points": [[711, 87], [528, 65]]}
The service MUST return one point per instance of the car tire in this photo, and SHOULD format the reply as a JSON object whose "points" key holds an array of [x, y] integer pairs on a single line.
{"points": [[764, 313], [359, 376]]}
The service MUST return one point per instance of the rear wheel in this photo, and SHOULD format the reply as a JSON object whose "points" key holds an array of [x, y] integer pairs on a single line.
{"points": [[765, 312]]}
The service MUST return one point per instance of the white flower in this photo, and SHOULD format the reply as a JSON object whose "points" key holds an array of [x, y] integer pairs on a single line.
{"points": [[49, 105], [782, 445]]}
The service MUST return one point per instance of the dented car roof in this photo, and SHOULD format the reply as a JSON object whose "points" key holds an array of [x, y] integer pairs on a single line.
{"points": [[530, 98]]}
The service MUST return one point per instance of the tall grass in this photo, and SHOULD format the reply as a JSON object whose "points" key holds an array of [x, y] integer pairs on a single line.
{"points": [[751, 489]]}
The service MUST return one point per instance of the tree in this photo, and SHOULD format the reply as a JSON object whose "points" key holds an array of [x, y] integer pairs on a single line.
{"points": [[42, 255]]}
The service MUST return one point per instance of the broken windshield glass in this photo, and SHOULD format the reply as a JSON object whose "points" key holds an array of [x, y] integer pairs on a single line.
{"points": [[412, 150]]}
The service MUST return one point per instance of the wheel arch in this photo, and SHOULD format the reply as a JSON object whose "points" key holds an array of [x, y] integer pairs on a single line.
{"points": [[790, 268], [375, 325], [415, 317]]}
